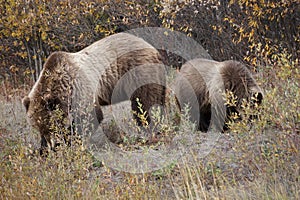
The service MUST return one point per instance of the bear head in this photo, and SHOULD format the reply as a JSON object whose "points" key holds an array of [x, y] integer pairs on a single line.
{"points": [[51, 92], [238, 79]]}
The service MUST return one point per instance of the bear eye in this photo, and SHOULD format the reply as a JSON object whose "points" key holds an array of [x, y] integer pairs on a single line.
{"points": [[52, 104], [26, 103]]}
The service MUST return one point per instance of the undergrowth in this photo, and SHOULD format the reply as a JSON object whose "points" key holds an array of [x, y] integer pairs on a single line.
{"points": [[254, 160]]}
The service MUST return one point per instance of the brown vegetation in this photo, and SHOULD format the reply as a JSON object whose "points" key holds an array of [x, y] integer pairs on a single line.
{"points": [[259, 160]]}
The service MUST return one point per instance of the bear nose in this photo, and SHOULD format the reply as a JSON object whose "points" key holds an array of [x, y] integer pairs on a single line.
{"points": [[26, 102], [259, 97]]}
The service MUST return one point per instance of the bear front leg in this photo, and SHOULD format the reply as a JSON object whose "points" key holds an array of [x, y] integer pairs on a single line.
{"points": [[44, 145], [97, 109]]}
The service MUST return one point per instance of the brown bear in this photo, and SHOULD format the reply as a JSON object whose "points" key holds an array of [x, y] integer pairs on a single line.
{"points": [[91, 75], [202, 84]]}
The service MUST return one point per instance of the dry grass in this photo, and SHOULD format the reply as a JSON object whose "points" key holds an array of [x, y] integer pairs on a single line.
{"points": [[260, 161]]}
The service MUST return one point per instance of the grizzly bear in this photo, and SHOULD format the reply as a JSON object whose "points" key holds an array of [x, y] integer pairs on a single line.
{"points": [[77, 80], [202, 84]]}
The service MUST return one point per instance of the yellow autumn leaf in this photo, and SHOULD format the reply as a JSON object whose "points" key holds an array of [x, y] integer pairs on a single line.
{"points": [[44, 35]]}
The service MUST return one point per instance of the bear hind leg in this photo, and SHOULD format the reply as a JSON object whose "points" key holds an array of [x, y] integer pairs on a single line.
{"points": [[143, 99]]}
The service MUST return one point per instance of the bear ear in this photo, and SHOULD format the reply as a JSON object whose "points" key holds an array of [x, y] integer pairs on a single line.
{"points": [[53, 61], [26, 102]]}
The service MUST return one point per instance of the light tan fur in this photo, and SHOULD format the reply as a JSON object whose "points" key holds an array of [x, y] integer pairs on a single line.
{"points": [[90, 76], [202, 84]]}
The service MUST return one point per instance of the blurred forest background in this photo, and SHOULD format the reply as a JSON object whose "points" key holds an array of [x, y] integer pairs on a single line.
{"points": [[251, 31]]}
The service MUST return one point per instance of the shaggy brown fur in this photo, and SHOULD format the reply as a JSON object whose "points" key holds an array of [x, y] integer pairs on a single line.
{"points": [[91, 75], [202, 83]]}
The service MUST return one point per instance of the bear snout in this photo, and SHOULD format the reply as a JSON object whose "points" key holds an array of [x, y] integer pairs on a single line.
{"points": [[26, 103], [257, 98]]}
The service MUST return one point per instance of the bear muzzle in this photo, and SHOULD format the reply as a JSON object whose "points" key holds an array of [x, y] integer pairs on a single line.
{"points": [[26, 103]]}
